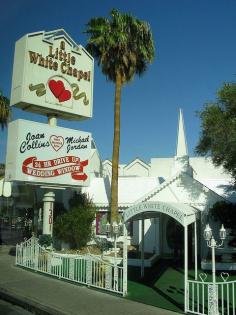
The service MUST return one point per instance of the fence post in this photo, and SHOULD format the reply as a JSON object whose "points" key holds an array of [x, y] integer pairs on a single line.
{"points": [[36, 259], [88, 270], [16, 254], [108, 277], [49, 263], [115, 287], [71, 268]]}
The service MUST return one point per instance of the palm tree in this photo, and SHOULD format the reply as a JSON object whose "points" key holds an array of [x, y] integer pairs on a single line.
{"points": [[123, 47], [4, 111]]}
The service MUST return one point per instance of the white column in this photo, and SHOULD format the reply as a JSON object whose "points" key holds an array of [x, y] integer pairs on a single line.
{"points": [[185, 267], [195, 248], [161, 234], [157, 238], [49, 197], [125, 261], [213, 262], [142, 249], [48, 205]]}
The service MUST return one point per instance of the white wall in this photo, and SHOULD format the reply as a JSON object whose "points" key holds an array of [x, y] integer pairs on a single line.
{"points": [[136, 169], [151, 232], [161, 167], [204, 169], [95, 165]]}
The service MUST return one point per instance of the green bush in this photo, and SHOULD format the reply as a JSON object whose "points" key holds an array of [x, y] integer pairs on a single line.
{"points": [[225, 213], [103, 244], [75, 226], [45, 240]]}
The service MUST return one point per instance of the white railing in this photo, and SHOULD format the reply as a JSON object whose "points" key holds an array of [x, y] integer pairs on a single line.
{"points": [[199, 296], [85, 269]]}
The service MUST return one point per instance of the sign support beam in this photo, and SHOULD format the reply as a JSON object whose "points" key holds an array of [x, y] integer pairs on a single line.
{"points": [[49, 196]]}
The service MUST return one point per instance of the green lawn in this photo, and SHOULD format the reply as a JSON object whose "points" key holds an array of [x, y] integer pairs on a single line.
{"points": [[163, 285]]}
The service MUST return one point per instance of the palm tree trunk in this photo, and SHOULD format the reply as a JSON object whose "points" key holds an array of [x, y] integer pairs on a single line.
{"points": [[116, 150]]}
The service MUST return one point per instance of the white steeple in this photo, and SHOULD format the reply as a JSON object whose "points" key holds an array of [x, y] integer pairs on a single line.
{"points": [[181, 147], [181, 160]]}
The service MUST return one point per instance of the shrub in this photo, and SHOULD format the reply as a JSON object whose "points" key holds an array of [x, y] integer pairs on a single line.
{"points": [[45, 240], [225, 213], [102, 243], [75, 226]]}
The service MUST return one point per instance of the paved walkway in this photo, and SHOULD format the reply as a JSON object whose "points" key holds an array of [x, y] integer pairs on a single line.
{"points": [[7, 308], [48, 296]]}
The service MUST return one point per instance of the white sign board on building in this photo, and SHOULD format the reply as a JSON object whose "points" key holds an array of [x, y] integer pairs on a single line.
{"points": [[52, 75], [41, 154]]}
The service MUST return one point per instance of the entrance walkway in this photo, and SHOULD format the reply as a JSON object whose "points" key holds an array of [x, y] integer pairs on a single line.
{"points": [[162, 285], [46, 295]]}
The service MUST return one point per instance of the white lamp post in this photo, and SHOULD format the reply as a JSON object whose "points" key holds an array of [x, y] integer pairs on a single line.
{"points": [[114, 230], [211, 243]]}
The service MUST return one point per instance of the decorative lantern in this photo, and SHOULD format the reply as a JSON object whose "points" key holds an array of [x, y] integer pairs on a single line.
{"points": [[222, 233], [207, 233], [120, 224], [115, 228], [108, 227]]}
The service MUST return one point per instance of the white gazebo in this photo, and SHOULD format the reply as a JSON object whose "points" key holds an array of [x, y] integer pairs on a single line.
{"points": [[182, 213]]}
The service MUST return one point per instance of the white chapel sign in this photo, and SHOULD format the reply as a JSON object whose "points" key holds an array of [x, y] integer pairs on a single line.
{"points": [[52, 75], [41, 154], [155, 206]]}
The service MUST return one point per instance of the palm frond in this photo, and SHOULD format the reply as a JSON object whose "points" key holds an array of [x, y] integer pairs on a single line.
{"points": [[121, 44]]}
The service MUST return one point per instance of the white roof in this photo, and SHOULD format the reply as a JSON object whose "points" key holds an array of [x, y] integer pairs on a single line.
{"points": [[222, 187], [130, 189]]}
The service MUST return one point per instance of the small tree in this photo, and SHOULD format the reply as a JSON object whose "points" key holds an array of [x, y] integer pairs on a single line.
{"points": [[75, 226], [225, 213], [218, 129], [4, 111]]}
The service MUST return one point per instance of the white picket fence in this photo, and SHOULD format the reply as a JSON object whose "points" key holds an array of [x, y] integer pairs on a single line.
{"points": [[200, 298], [84, 269]]}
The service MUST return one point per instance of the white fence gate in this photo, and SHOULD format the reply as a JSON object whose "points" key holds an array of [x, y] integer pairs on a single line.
{"points": [[200, 296], [85, 269]]}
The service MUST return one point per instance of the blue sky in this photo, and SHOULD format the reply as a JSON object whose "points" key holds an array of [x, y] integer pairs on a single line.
{"points": [[195, 53]]}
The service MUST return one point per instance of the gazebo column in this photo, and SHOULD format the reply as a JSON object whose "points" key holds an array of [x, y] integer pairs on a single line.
{"points": [[185, 267], [142, 247], [125, 261], [195, 248]]}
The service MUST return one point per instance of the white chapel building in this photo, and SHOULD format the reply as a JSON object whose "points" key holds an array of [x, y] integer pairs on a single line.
{"points": [[192, 184]]}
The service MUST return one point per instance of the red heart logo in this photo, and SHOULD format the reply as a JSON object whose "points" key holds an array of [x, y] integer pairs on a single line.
{"points": [[64, 96], [58, 90], [56, 87]]}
